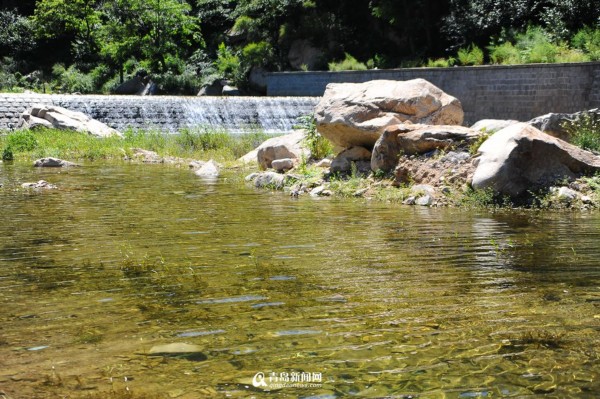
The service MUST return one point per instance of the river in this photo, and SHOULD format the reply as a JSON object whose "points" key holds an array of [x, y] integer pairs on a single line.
{"points": [[312, 297]]}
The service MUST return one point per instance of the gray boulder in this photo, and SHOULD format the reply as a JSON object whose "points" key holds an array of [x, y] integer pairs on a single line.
{"points": [[53, 163], [356, 114], [133, 86], [283, 165], [521, 158], [554, 123]]}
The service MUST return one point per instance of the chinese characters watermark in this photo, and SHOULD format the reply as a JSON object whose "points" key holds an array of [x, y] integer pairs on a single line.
{"points": [[292, 379]]}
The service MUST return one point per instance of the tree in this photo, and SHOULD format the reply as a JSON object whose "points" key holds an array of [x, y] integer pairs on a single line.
{"points": [[15, 33], [78, 19], [158, 31]]}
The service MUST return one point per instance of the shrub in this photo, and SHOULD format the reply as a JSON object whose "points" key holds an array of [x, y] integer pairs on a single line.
{"points": [[535, 46], [505, 54], [588, 40], [21, 141], [71, 80], [472, 55], [318, 145], [227, 63], [258, 54], [348, 64], [441, 62], [585, 131]]}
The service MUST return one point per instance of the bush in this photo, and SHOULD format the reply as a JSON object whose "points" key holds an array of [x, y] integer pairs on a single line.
{"points": [[258, 54], [318, 145], [227, 63], [585, 131], [71, 80], [441, 62], [505, 54], [348, 64], [187, 83], [472, 55], [21, 141], [588, 40]]}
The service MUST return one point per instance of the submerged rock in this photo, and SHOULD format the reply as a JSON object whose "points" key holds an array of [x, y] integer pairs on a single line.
{"points": [[521, 158], [208, 169], [40, 184], [53, 163], [355, 114], [269, 180], [178, 350]]}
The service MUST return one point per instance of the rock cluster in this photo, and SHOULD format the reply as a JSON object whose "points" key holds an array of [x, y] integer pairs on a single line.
{"points": [[412, 130], [51, 116], [356, 114]]}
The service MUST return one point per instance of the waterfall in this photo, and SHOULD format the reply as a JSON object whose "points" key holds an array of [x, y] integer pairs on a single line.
{"points": [[169, 113]]}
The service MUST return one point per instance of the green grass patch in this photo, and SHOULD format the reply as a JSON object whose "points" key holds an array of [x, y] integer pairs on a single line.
{"points": [[585, 131], [201, 143]]}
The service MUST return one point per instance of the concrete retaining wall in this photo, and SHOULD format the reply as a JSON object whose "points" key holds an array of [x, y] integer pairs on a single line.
{"points": [[499, 92]]}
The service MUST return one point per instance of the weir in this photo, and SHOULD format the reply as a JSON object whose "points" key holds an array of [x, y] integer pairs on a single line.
{"points": [[171, 113]]}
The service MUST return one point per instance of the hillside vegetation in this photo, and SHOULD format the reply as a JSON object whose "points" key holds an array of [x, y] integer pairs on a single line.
{"points": [[91, 46]]}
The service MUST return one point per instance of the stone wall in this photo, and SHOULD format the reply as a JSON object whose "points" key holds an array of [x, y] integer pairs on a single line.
{"points": [[497, 92]]}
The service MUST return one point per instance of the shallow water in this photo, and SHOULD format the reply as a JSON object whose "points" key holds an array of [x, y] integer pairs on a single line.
{"points": [[370, 299]]}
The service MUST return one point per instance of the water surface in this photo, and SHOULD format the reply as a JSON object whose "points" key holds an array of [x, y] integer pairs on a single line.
{"points": [[377, 300]]}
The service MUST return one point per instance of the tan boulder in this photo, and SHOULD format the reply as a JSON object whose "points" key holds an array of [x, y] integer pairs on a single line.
{"points": [[355, 114], [409, 139], [521, 158], [61, 118], [281, 147]]}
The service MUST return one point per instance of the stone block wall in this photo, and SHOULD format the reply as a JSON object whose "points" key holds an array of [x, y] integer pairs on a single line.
{"points": [[519, 92]]}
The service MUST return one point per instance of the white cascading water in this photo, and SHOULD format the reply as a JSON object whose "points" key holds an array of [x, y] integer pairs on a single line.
{"points": [[169, 113]]}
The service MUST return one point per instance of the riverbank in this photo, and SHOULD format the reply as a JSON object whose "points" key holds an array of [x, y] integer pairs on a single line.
{"points": [[447, 184]]}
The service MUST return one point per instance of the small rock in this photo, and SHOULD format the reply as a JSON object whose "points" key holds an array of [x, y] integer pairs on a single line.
{"points": [[53, 163], [456, 157], [43, 184], [270, 180], [426, 200], [566, 194], [586, 199], [209, 169], [324, 163], [180, 350], [282, 165], [252, 176], [147, 156], [422, 189], [410, 200], [317, 191]]}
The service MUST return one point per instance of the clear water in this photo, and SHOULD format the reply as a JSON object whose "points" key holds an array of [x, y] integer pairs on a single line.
{"points": [[380, 300]]}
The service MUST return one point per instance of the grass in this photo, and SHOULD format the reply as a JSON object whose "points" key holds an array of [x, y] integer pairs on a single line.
{"points": [[202, 143], [585, 132]]}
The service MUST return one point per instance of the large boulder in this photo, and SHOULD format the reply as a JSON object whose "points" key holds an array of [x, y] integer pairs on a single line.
{"points": [[280, 147], [556, 124], [521, 158], [62, 118], [355, 114], [490, 126], [411, 139]]}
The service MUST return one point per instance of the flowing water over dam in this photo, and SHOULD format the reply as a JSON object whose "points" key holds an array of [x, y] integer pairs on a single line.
{"points": [[170, 113]]}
